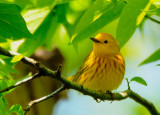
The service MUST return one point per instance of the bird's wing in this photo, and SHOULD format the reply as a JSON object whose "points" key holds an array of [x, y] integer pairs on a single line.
{"points": [[78, 74], [81, 70]]}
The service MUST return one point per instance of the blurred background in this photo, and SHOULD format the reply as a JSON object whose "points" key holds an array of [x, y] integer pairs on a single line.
{"points": [[54, 23]]}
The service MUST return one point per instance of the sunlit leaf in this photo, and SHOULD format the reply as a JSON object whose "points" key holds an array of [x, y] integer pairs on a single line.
{"points": [[17, 58], [12, 25], [158, 64], [43, 33], [154, 10], [34, 17], [139, 80], [112, 12], [131, 16], [153, 57], [88, 16], [16, 109], [79, 5]]}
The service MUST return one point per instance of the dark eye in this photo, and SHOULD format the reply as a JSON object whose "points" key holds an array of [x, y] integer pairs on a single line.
{"points": [[105, 41]]}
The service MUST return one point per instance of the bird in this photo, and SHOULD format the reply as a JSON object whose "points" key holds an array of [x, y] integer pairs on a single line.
{"points": [[104, 68]]}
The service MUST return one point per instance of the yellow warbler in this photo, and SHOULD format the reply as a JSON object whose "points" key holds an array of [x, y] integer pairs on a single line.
{"points": [[104, 68]]}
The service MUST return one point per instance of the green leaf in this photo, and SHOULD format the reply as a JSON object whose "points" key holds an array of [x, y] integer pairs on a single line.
{"points": [[131, 16], [114, 1], [153, 57], [154, 9], [139, 80], [88, 16], [6, 67], [16, 109], [12, 25], [158, 64], [44, 32], [111, 13], [3, 106], [17, 58], [3, 84]]}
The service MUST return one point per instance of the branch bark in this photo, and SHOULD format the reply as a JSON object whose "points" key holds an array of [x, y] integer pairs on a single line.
{"points": [[43, 71], [20, 82], [147, 104], [31, 103]]}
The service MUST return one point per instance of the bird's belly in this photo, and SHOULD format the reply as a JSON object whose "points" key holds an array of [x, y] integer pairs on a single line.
{"points": [[102, 79]]}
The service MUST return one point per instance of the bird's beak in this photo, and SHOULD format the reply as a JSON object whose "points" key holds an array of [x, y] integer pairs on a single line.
{"points": [[95, 40]]}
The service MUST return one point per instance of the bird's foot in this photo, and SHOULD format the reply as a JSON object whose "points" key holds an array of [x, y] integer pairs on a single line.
{"points": [[97, 100]]}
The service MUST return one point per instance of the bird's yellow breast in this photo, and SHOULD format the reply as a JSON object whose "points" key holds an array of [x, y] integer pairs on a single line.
{"points": [[102, 73]]}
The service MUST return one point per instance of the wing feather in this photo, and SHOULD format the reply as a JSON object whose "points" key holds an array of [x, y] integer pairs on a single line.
{"points": [[81, 70]]}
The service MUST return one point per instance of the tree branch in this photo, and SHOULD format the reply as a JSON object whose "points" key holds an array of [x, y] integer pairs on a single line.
{"points": [[31, 103], [149, 106], [72, 85], [26, 60], [20, 82]]}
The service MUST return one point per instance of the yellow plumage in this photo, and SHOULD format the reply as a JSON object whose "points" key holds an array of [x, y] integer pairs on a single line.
{"points": [[104, 68]]}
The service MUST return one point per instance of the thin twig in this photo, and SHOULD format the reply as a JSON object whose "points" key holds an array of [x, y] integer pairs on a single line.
{"points": [[128, 83], [152, 19], [20, 82], [31, 103], [26, 60]]}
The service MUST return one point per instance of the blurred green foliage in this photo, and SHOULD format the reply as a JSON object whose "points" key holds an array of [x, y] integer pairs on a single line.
{"points": [[29, 24], [16, 109], [130, 18], [153, 57]]}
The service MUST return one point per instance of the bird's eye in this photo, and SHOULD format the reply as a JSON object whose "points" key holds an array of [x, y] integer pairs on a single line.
{"points": [[105, 41]]}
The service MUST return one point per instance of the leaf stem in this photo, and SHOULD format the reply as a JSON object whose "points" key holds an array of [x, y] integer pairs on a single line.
{"points": [[20, 82]]}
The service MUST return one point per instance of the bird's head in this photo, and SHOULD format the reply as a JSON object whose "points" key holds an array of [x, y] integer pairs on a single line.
{"points": [[105, 44]]}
